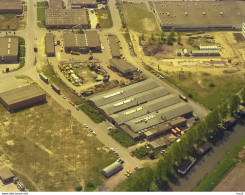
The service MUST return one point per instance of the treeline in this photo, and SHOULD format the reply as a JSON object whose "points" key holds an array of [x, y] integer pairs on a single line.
{"points": [[153, 179]]}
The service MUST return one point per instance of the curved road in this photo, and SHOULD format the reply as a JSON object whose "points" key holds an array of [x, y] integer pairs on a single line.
{"points": [[32, 31]]}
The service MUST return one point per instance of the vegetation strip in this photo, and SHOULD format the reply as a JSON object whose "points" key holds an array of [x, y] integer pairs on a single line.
{"points": [[121, 137]]}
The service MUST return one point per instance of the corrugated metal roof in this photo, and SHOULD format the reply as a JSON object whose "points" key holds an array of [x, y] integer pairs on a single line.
{"points": [[49, 42], [9, 48], [115, 50], [112, 169], [122, 65]]}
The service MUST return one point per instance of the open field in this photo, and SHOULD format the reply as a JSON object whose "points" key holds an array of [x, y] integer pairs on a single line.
{"points": [[139, 19], [209, 89], [49, 150], [9, 22], [105, 18]]}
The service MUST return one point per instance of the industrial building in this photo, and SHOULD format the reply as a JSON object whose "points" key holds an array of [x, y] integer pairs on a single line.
{"points": [[9, 50], [77, 4], [6, 175], [113, 42], [112, 169], [49, 43], [22, 97], [55, 4], [208, 48], [89, 40], [10, 7], [66, 18], [142, 107], [205, 53], [200, 15], [123, 67]]}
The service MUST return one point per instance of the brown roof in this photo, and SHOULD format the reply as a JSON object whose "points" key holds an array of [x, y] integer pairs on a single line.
{"points": [[92, 38], [21, 94], [55, 4], [5, 173], [10, 4], [122, 65], [49, 42], [9, 46]]}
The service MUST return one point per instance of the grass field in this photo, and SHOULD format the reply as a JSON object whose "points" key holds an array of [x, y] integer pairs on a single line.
{"points": [[208, 89], [49, 150], [105, 18], [139, 19], [9, 22], [41, 7]]}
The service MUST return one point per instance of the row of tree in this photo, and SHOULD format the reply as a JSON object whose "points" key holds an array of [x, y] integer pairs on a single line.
{"points": [[153, 179]]}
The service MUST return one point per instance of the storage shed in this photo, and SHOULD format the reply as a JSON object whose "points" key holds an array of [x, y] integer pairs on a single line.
{"points": [[49, 43], [6, 175], [112, 169]]}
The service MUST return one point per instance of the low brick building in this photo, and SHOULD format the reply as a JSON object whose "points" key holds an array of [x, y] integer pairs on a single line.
{"points": [[8, 50], [10, 7]]}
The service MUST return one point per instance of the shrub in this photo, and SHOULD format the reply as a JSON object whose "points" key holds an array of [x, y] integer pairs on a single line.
{"points": [[122, 138], [211, 84], [140, 152], [78, 188]]}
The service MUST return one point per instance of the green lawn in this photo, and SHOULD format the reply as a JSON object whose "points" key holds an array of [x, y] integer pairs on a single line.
{"points": [[105, 18], [139, 19], [121, 137], [41, 14], [230, 160], [41, 7]]}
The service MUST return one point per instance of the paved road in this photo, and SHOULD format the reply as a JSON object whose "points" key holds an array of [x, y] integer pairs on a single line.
{"points": [[32, 31]]}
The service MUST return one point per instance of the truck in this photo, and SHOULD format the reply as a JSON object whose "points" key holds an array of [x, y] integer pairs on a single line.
{"points": [[178, 130], [75, 53], [55, 88], [186, 165], [174, 132], [204, 149], [44, 78], [183, 98]]}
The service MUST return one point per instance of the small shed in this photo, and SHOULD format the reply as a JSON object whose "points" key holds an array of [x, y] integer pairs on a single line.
{"points": [[112, 169], [6, 175]]}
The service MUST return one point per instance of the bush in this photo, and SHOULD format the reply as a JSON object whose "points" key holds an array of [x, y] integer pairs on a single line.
{"points": [[140, 152], [78, 188], [211, 84], [21, 40], [22, 51], [122, 138]]}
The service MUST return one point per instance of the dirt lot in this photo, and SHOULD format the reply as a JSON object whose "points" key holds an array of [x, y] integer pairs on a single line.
{"points": [[234, 181], [10, 22], [49, 150]]}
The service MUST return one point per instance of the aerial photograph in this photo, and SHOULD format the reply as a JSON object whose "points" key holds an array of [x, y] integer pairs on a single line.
{"points": [[122, 96]]}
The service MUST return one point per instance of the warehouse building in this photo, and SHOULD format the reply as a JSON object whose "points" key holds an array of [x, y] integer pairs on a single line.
{"points": [[142, 107], [49, 43], [55, 4], [112, 169], [208, 48], [10, 7], [66, 18], [89, 40], [22, 97], [123, 67], [9, 50], [6, 175], [205, 53], [113, 42], [77, 4], [201, 15]]}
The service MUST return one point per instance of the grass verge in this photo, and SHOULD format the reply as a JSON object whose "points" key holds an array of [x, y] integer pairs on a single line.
{"points": [[230, 160], [105, 18], [121, 137]]}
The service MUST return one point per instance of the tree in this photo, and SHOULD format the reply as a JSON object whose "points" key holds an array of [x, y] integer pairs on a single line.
{"points": [[223, 110], [234, 102], [213, 119], [172, 33], [162, 35], [78, 188], [179, 40], [143, 37], [243, 95]]}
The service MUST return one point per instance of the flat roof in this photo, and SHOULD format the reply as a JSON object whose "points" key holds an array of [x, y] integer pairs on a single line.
{"points": [[83, 2], [115, 50], [21, 94], [66, 17], [9, 46], [92, 38], [201, 13], [122, 65], [10, 5], [55, 4], [5, 173], [49, 42]]}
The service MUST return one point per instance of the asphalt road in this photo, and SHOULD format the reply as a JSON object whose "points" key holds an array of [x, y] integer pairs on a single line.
{"points": [[32, 31]]}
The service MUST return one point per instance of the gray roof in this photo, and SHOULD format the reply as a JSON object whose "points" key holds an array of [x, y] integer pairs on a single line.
{"points": [[205, 52], [9, 46], [83, 2], [124, 92], [134, 100], [151, 119], [49, 42], [5, 173], [21, 94], [112, 169], [115, 50], [122, 65], [64, 17], [92, 38], [143, 109]]}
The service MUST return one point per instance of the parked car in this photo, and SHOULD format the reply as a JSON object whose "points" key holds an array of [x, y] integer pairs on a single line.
{"points": [[64, 96], [132, 154], [91, 130], [116, 154], [109, 128], [112, 149], [85, 125], [94, 133], [68, 110]]}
